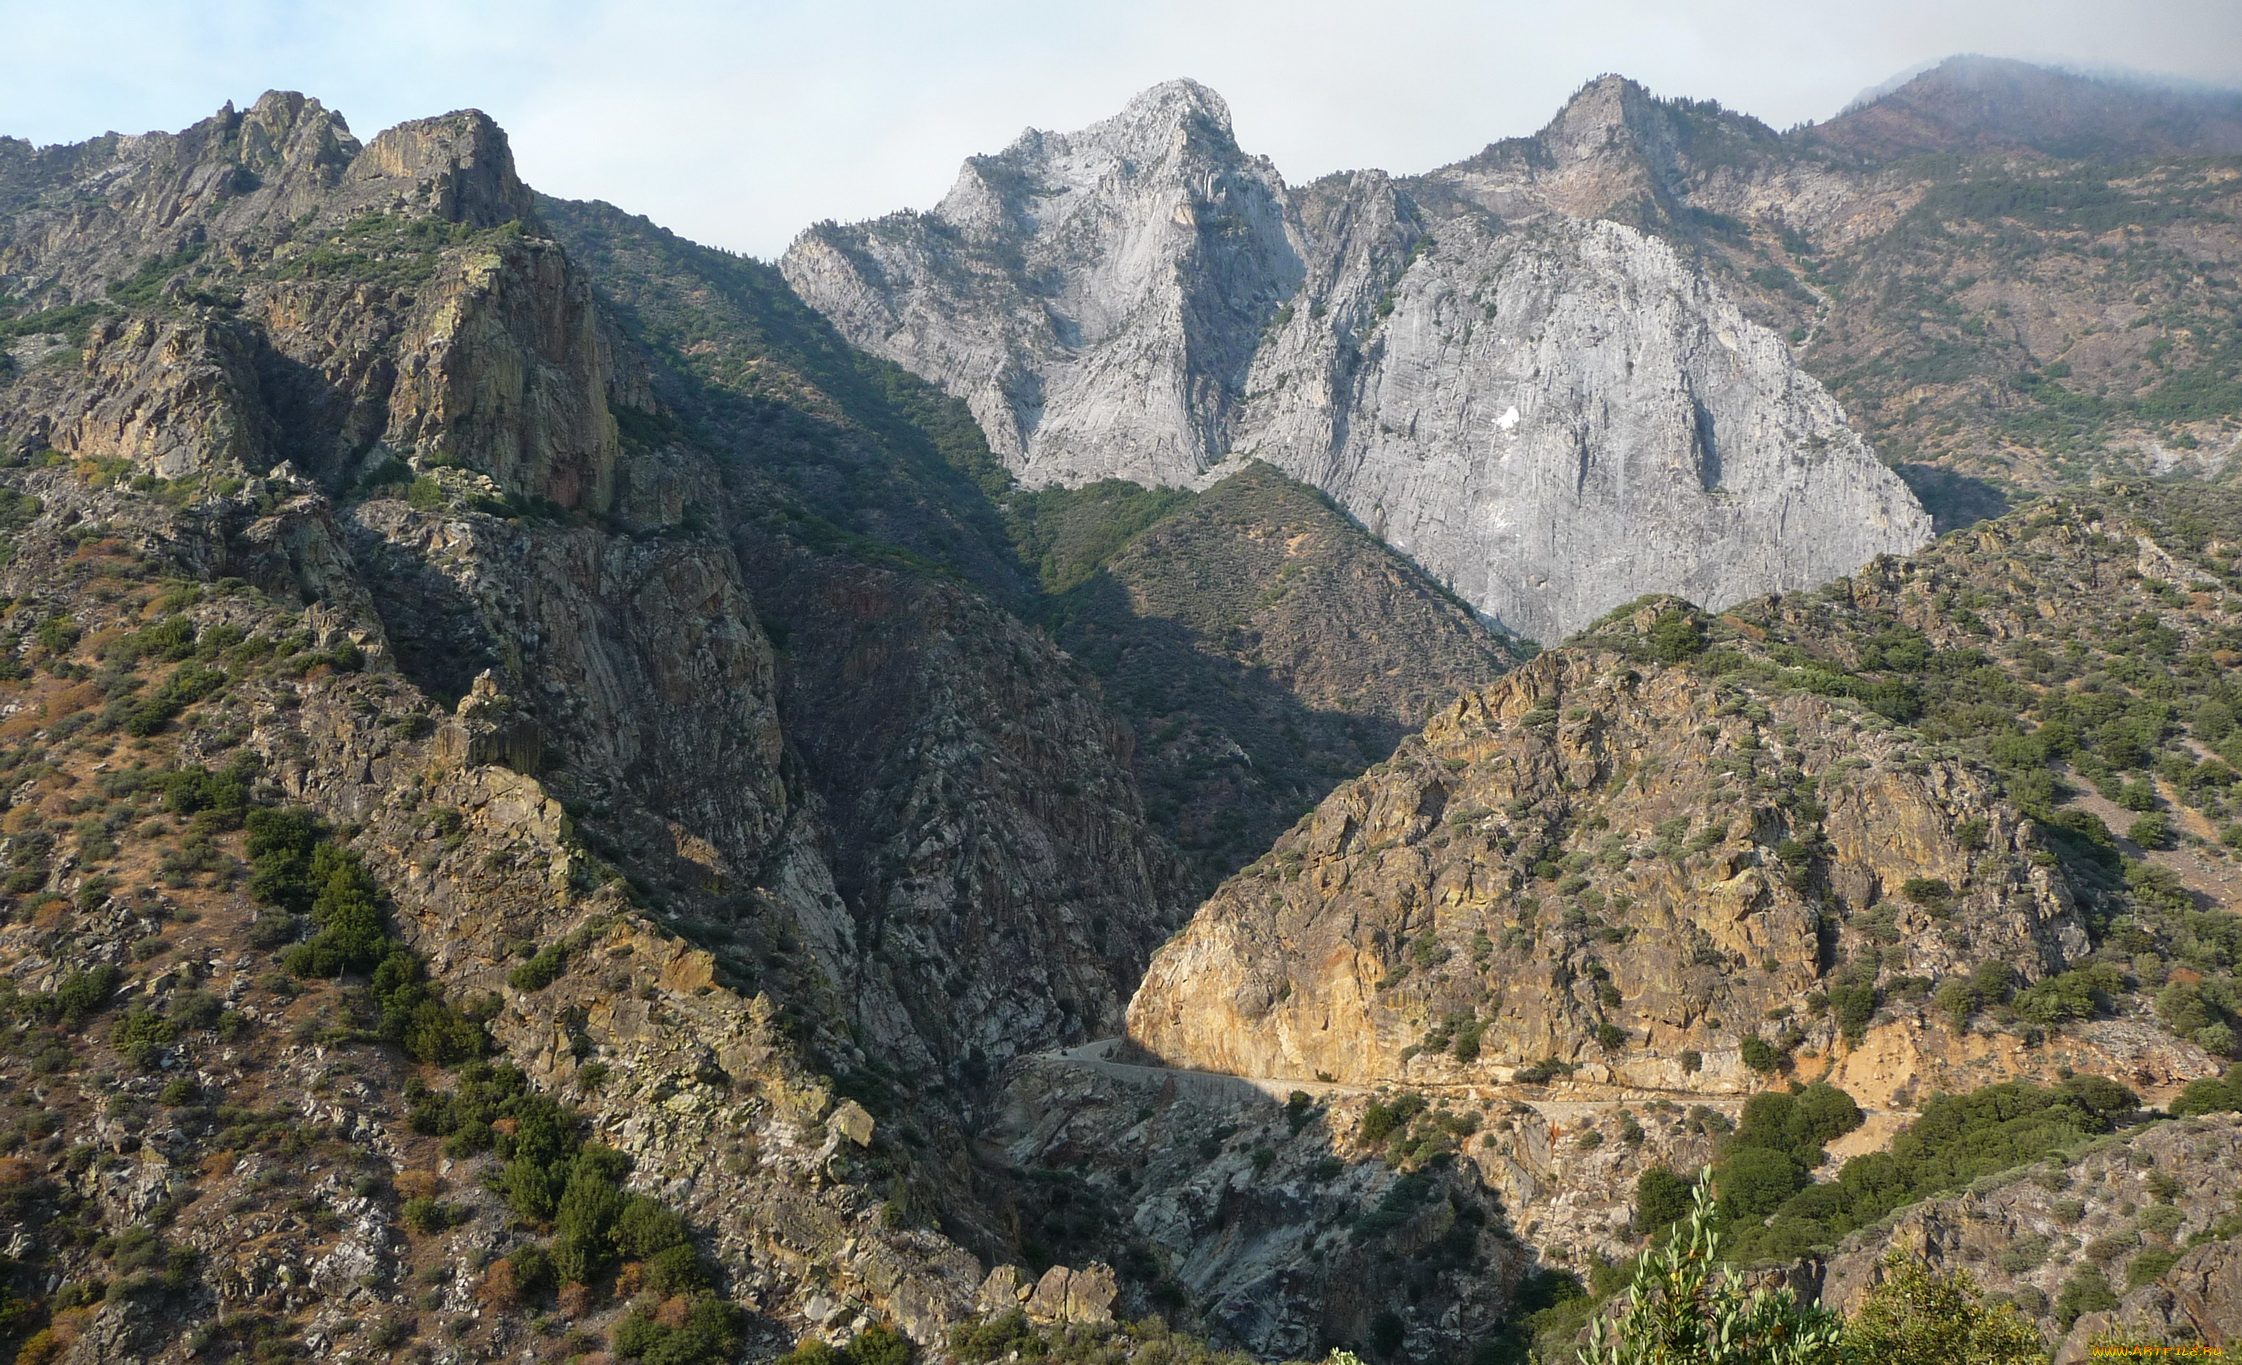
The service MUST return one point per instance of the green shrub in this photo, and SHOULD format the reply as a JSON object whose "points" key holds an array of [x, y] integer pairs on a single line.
{"points": [[880, 1344], [709, 1335], [1760, 1055], [1685, 1307], [141, 1036], [1756, 1181], [58, 635], [2210, 1095], [976, 1342], [533, 1269], [2148, 1266], [1662, 1199], [1541, 1072], [189, 684], [2151, 831], [1387, 1332], [2080, 993], [1918, 1316], [2025, 1255], [540, 971], [1955, 1140], [2086, 1291], [1957, 999], [675, 1270], [1927, 890], [428, 1216], [1675, 636], [1853, 1003], [84, 993], [1381, 1120], [646, 1227]]}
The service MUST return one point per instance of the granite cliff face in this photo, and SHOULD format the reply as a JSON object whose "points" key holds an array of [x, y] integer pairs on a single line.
{"points": [[1095, 296], [1555, 419], [2010, 276], [1550, 422]]}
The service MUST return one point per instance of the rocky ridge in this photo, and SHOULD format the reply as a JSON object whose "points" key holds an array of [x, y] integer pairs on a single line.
{"points": [[2011, 277], [1261, 645], [1523, 880], [1446, 380], [366, 389], [1094, 296]]}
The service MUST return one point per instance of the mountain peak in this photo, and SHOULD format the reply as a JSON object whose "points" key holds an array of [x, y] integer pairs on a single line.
{"points": [[460, 165], [1174, 102], [1978, 106], [1609, 112]]}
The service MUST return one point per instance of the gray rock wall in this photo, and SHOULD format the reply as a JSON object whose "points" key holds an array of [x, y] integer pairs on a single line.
{"points": [[1557, 419], [1094, 296], [1552, 419]]}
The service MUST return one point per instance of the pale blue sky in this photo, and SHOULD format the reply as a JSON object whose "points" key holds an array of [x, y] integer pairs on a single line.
{"points": [[739, 123]]}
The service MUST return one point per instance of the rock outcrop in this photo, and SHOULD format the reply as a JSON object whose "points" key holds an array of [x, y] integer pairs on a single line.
{"points": [[2151, 1210], [1550, 422], [1937, 254], [1585, 863], [1095, 296]]}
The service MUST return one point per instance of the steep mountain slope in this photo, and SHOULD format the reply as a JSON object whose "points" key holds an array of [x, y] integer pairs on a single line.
{"points": [[850, 453], [1858, 836], [431, 452], [1550, 422], [2010, 277], [1262, 646], [2148, 1214]]}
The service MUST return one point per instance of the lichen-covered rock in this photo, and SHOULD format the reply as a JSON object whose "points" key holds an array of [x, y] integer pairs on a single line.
{"points": [[2198, 1300]]}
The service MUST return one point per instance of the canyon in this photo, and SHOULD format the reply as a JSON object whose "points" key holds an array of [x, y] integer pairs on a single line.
{"points": [[985, 789]]}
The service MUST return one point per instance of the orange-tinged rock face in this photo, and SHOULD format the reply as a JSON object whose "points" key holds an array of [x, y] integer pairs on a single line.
{"points": [[1660, 878]]}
